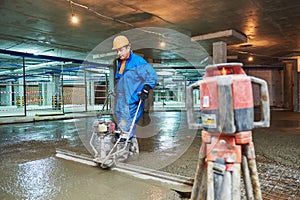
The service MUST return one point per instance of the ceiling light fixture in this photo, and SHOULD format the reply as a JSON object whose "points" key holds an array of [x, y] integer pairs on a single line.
{"points": [[74, 18], [162, 43], [250, 58]]}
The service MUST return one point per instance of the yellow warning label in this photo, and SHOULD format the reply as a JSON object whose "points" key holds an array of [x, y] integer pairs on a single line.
{"points": [[209, 120]]}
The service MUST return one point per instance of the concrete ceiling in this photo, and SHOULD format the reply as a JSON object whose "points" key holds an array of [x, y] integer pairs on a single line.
{"points": [[43, 26]]}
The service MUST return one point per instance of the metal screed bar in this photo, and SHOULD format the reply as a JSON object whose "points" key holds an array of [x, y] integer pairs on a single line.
{"points": [[174, 181]]}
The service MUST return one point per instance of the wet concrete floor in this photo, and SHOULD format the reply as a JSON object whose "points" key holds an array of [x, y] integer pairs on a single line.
{"points": [[30, 170], [51, 178]]}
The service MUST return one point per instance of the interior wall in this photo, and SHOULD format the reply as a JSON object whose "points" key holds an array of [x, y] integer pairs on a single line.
{"points": [[275, 82]]}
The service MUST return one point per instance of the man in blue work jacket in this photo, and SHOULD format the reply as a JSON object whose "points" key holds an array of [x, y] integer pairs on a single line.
{"points": [[134, 79]]}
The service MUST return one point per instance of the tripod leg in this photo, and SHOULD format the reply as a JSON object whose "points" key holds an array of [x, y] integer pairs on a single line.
{"points": [[219, 170], [246, 177], [253, 172], [226, 187], [203, 186], [210, 181], [255, 181], [236, 181], [199, 186], [218, 181]]}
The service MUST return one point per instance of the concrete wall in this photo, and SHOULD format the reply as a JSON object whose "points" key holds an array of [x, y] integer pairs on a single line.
{"points": [[298, 90], [275, 81]]}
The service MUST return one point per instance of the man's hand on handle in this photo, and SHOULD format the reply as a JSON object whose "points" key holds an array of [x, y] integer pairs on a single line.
{"points": [[145, 92]]}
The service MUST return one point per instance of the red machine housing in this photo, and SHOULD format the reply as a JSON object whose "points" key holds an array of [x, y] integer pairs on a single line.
{"points": [[226, 99]]}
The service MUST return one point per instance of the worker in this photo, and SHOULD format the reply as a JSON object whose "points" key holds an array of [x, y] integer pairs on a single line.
{"points": [[134, 80]]}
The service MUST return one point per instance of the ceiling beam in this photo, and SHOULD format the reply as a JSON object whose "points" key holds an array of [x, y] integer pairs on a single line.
{"points": [[45, 57], [229, 36]]}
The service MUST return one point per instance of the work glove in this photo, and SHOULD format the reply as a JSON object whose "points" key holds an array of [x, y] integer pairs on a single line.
{"points": [[145, 92]]}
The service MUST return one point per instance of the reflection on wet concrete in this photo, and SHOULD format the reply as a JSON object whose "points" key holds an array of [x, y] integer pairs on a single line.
{"points": [[163, 134], [29, 169], [51, 178], [164, 140], [39, 131], [31, 180]]}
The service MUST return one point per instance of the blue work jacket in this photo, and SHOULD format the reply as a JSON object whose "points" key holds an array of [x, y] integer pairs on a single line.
{"points": [[136, 74]]}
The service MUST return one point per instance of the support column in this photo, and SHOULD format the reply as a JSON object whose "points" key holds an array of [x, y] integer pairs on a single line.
{"points": [[290, 93], [219, 52], [149, 103], [220, 40], [19, 93], [48, 93], [3, 98], [41, 94], [57, 91], [85, 91], [296, 84], [88, 93], [111, 84], [44, 92], [156, 97], [9, 95], [298, 64], [92, 93]]}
